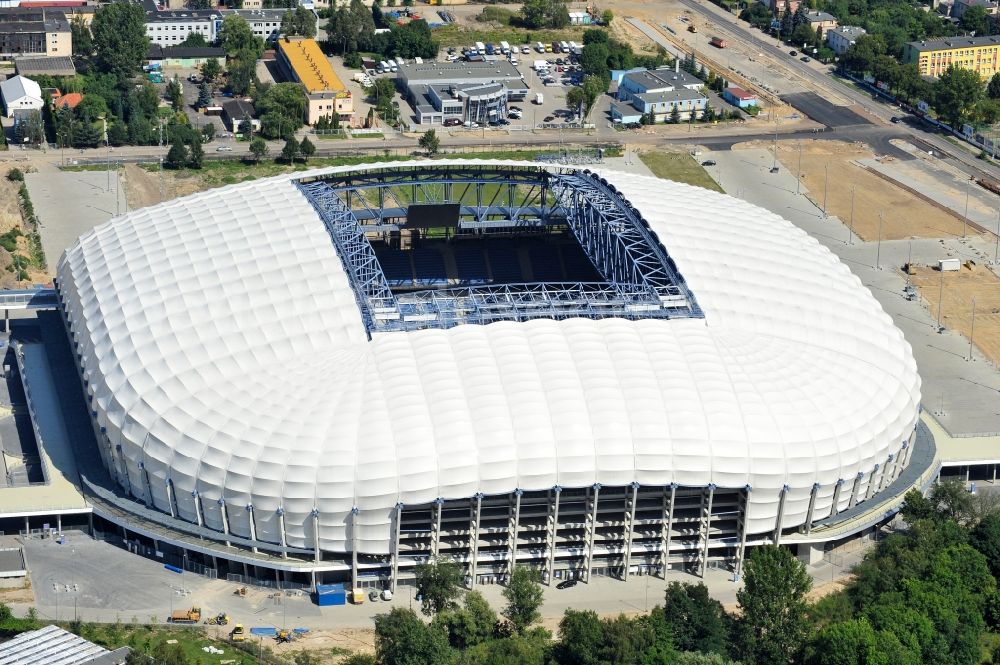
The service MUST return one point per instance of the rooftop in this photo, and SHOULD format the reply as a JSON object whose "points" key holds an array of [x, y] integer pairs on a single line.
{"points": [[311, 66], [944, 43], [251, 15], [51, 644], [655, 79], [456, 71], [740, 93], [818, 17], [157, 52], [32, 20], [679, 95], [850, 31], [237, 108], [54, 66]]}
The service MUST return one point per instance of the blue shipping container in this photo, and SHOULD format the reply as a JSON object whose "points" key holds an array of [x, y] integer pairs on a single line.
{"points": [[330, 594]]}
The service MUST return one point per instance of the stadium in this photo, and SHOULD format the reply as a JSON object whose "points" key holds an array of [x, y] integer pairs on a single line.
{"points": [[339, 373]]}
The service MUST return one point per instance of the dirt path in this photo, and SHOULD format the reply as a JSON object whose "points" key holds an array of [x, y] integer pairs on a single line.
{"points": [[958, 289], [830, 172]]}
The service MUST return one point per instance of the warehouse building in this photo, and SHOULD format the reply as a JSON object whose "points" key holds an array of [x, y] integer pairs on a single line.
{"points": [[60, 65], [34, 31], [468, 91], [430, 73], [303, 61], [651, 81]]}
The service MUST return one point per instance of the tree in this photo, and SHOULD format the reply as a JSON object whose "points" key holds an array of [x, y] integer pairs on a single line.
{"points": [[241, 71], [976, 19], [430, 142], [544, 14], [993, 89], [177, 157], [351, 28], [306, 148], [174, 95], [575, 99], [258, 148], [581, 636], [194, 40], [299, 21], [117, 133], [401, 638], [359, 659], [197, 154], [439, 583], [83, 43], [207, 132], [204, 96], [238, 38], [606, 17], [698, 622], [290, 150], [472, 624], [772, 627], [956, 92], [211, 69], [524, 596], [708, 113], [119, 35], [675, 114], [986, 539]]}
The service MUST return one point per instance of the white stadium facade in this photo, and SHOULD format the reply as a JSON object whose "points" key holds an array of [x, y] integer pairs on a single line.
{"points": [[339, 373]]}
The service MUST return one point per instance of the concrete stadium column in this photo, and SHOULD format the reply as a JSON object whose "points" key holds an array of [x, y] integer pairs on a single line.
{"points": [[225, 519], [197, 508], [595, 495], [253, 526], [513, 525], [475, 513], [354, 547], [436, 527], [552, 529], [904, 454], [667, 525], [124, 466], [281, 531], [317, 555], [854, 490], [397, 518], [781, 514], [742, 517], [807, 527], [630, 528], [58, 523], [147, 486], [834, 507], [810, 553], [170, 497], [872, 480], [707, 521]]}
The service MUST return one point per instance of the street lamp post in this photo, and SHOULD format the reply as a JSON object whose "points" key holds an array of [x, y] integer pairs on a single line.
{"points": [[850, 225], [940, 301], [972, 332], [107, 143], [798, 176], [965, 219], [878, 245], [826, 180]]}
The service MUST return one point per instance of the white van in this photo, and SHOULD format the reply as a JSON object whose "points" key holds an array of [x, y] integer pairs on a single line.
{"points": [[564, 46], [540, 47], [481, 47], [504, 48]]}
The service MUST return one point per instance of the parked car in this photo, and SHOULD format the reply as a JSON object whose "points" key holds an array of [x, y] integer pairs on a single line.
{"points": [[793, 53], [805, 58], [471, 124], [894, 119], [224, 148], [708, 162], [550, 118], [566, 584], [452, 122]]}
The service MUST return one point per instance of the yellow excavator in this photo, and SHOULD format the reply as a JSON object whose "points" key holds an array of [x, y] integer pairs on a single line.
{"points": [[237, 634]]}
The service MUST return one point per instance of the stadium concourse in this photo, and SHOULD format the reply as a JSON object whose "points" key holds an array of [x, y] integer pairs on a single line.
{"points": [[337, 374]]}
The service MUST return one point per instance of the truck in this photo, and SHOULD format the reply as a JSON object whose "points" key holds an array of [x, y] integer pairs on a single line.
{"points": [[505, 48], [540, 65], [692, 28], [718, 42], [192, 615], [539, 98], [481, 47]]}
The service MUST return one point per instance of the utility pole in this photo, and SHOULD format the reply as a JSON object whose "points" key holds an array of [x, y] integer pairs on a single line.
{"points": [[107, 143], [798, 177], [878, 245], [826, 180], [965, 219], [850, 226], [996, 244], [940, 301], [774, 149], [972, 333]]}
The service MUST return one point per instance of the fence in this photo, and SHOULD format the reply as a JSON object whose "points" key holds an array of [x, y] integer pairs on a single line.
{"points": [[250, 580]]}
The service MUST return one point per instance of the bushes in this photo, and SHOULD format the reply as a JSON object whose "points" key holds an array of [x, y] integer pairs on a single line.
{"points": [[15, 175]]}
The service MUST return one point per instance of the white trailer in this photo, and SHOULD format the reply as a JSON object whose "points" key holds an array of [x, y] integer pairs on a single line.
{"points": [[539, 98], [540, 65], [505, 48], [949, 265]]}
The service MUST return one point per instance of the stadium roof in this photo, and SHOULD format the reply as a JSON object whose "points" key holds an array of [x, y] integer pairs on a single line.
{"points": [[53, 646], [225, 351]]}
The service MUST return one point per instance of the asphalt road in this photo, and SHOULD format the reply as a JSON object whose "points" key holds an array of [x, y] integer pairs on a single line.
{"points": [[962, 158], [823, 111]]}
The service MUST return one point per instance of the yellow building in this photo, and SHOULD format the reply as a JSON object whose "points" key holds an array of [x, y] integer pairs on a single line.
{"points": [[934, 56], [304, 62]]}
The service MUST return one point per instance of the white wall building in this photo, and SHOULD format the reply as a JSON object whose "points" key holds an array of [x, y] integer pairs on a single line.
{"points": [[170, 28], [20, 94], [840, 39]]}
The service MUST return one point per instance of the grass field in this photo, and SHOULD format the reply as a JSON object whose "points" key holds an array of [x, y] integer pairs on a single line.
{"points": [[455, 35], [679, 167]]}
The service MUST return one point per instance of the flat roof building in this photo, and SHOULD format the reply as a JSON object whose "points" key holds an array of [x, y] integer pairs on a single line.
{"points": [[52, 644], [304, 62], [169, 28], [428, 73], [36, 65], [34, 31], [934, 56], [842, 38]]}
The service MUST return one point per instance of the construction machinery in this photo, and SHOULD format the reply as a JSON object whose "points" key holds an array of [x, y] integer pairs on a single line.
{"points": [[192, 615], [242, 591], [237, 634], [221, 619], [284, 636]]}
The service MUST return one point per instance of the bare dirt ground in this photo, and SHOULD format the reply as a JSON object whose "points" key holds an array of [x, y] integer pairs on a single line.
{"points": [[143, 187], [959, 288], [324, 642], [831, 165], [10, 217]]}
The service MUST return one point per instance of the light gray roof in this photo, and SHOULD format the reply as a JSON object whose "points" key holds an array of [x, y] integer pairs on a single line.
{"points": [[849, 31], [679, 95], [50, 645], [17, 87], [457, 72], [655, 79], [816, 17], [954, 42]]}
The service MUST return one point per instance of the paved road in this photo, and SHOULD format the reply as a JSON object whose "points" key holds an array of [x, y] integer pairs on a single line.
{"points": [[964, 159]]}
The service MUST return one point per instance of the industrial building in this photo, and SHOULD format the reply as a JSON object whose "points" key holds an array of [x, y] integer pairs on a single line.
{"points": [[429, 73], [657, 92], [34, 31], [356, 368], [468, 91], [303, 61], [934, 56], [20, 94]]}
